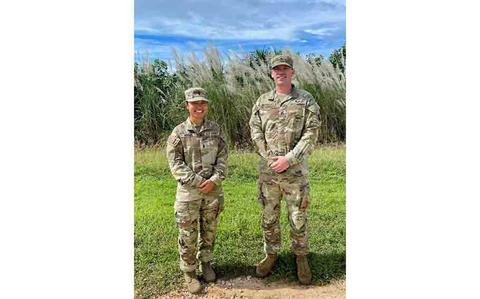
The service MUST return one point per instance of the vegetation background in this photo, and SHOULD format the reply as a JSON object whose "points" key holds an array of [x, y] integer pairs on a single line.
{"points": [[233, 84]]}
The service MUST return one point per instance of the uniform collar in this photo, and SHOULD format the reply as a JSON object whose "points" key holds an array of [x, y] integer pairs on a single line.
{"points": [[190, 126], [292, 95]]}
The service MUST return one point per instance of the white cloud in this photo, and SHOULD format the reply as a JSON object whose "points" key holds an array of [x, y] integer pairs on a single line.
{"points": [[320, 31], [238, 20]]}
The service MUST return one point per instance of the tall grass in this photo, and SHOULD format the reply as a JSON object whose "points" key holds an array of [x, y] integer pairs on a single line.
{"points": [[233, 84], [153, 91]]}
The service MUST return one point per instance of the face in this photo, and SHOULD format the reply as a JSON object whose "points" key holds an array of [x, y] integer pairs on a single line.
{"points": [[197, 109], [282, 75]]}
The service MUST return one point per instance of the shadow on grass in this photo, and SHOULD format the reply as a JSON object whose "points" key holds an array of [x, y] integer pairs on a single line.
{"points": [[230, 271], [326, 268]]}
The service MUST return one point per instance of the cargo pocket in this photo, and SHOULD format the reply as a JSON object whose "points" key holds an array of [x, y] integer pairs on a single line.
{"points": [[260, 195], [182, 216], [305, 194]]}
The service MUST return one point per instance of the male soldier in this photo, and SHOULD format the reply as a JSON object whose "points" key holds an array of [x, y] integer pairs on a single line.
{"points": [[197, 156], [284, 127]]}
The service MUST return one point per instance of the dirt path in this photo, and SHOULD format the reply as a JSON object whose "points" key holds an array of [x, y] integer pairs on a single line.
{"points": [[251, 287]]}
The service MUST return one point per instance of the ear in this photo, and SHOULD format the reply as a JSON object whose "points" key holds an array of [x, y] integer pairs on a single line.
{"points": [[271, 74]]}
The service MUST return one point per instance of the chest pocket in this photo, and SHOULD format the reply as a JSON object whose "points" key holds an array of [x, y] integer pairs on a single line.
{"points": [[269, 115], [191, 149], [209, 148], [268, 111], [296, 116]]}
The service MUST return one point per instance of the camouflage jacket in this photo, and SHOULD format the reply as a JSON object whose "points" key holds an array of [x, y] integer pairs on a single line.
{"points": [[288, 128], [196, 156]]}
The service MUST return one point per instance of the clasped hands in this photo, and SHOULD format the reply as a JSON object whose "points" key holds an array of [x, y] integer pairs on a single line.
{"points": [[206, 186], [278, 164]]}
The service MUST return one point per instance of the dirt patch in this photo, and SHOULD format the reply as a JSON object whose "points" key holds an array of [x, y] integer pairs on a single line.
{"points": [[251, 287]]}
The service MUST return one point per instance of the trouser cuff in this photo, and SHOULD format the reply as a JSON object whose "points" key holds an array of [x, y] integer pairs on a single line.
{"points": [[188, 268]]}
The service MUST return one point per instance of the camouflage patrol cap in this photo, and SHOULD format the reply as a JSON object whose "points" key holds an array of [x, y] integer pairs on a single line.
{"points": [[282, 59], [195, 94]]}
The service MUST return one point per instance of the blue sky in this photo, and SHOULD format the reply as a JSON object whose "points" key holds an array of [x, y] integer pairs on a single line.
{"points": [[310, 26]]}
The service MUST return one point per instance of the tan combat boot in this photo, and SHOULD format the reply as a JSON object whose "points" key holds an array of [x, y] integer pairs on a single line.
{"points": [[266, 265], [207, 271], [303, 270], [193, 284]]}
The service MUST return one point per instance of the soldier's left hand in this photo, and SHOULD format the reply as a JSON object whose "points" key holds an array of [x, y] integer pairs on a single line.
{"points": [[280, 164], [206, 186]]}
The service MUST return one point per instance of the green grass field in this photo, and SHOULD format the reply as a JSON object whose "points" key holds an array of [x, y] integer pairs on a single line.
{"points": [[239, 243]]}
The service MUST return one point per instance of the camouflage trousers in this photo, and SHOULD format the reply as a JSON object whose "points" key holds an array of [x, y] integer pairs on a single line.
{"points": [[190, 216], [295, 191]]}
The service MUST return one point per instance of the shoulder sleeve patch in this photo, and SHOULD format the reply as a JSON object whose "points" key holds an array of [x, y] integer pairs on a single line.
{"points": [[314, 108], [173, 139]]}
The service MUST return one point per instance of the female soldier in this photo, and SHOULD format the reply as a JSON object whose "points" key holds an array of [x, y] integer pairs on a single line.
{"points": [[197, 156]]}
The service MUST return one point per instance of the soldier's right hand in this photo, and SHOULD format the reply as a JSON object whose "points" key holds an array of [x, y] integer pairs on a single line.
{"points": [[206, 186], [280, 164]]}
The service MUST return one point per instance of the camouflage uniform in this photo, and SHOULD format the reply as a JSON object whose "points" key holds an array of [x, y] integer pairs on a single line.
{"points": [[285, 126], [196, 154]]}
